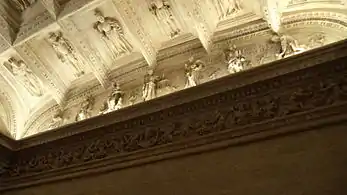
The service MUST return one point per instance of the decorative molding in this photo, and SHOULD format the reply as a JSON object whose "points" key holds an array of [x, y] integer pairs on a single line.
{"points": [[260, 102], [11, 118]]}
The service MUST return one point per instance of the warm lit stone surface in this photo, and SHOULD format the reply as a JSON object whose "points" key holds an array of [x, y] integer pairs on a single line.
{"points": [[62, 58]]}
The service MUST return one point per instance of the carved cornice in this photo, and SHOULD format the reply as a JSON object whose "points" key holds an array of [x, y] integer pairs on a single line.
{"points": [[285, 96]]}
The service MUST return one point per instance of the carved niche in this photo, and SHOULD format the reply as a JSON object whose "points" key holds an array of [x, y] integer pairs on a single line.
{"points": [[162, 11], [25, 76], [66, 52], [112, 33]]}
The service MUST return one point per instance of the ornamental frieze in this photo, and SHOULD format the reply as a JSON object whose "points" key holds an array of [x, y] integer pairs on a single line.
{"points": [[280, 97]]}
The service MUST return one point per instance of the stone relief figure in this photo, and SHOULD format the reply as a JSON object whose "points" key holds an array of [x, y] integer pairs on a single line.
{"points": [[22, 5], [227, 7], [56, 121], [25, 76], [150, 85], [289, 45], [192, 71], [85, 109], [114, 100], [112, 34], [235, 60], [317, 40], [65, 52], [162, 11]]}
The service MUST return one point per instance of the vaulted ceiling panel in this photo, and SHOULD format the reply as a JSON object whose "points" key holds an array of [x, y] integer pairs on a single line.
{"points": [[66, 60]]}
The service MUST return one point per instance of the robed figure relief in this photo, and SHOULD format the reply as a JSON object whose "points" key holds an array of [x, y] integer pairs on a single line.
{"points": [[65, 52], [85, 109], [112, 34], [22, 5], [114, 100], [25, 76], [289, 45], [235, 60], [163, 13], [227, 7], [193, 69], [150, 85]]}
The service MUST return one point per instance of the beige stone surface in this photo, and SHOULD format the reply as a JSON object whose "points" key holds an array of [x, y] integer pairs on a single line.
{"points": [[162, 36]]}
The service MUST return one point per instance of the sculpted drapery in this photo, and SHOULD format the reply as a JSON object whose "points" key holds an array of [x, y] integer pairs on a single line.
{"points": [[162, 10], [114, 100], [112, 34], [192, 70], [25, 76], [65, 52]]}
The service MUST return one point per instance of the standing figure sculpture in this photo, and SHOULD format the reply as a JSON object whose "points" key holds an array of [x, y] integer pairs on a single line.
{"points": [[149, 89], [235, 60], [65, 52], [25, 76], [162, 11], [192, 71], [85, 110], [22, 4], [227, 7], [289, 45], [114, 100], [113, 35]]}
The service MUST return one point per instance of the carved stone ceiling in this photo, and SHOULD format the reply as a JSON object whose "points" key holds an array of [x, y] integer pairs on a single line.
{"points": [[60, 59]]}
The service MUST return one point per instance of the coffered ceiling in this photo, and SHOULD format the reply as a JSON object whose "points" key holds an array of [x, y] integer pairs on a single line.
{"points": [[56, 53]]}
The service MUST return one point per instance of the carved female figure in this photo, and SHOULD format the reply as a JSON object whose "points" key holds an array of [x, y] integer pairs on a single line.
{"points": [[227, 7], [85, 110], [289, 45], [149, 89], [192, 70], [162, 10], [235, 60], [112, 33], [114, 100], [25, 76], [65, 52]]}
